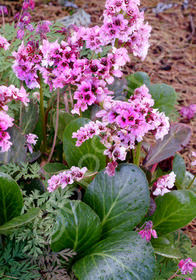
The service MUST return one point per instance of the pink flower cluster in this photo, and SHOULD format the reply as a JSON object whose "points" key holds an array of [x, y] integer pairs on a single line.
{"points": [[186, 266], [147, 232], [26, 64], [8, 94], [123, 124], [66, 178], [164, 184], [123, 23], [189, 111], [61, 63], [4, 43]]}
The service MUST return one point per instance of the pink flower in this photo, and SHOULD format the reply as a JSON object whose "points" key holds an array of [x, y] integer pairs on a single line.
{"points": [[194, 155], [186, 266], [31, 139], [189, 111], [4, 43], [148, 231], [66, 178], [110, 168], [164, 184]]}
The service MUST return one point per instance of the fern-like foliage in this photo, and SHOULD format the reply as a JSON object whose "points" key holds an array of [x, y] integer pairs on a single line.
{"points": [[37, 234], [14, 264], [23, 171]]}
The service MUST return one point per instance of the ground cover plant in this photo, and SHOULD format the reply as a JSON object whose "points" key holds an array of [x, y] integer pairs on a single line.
{"points": [[83, 195]]}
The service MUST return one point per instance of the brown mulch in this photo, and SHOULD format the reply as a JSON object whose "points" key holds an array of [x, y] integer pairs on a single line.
{"points": [[171, 58]]}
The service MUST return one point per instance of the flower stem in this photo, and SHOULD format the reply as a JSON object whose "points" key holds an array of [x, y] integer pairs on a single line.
{"points": [[191, 183], [133, 156], [44, 145], [56, 127], [138, 150]]}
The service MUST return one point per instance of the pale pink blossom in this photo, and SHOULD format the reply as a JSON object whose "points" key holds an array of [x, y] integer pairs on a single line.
{"points": [[164, 184], [194, 155], [65, 178], [31, 139]]}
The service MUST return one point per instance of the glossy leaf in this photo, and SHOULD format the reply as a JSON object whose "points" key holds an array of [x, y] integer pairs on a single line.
{"points": [[124, 256], [64, 119], [163, 246], [136, 80], [174, 210], [188, 179], [179, 168], [164, 97], [18, 151], [19, 221], [89, 154], [178, 136], [120, 201], [78, 227], [11, 200], [54, 167], [30, 116]]}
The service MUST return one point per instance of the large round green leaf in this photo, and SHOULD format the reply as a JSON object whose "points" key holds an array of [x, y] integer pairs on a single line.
{"points": [[77, 227], [164, 97], [89, 154], [11, 200], [19, 221], [120, 201], [174, 210], [124, 256]]}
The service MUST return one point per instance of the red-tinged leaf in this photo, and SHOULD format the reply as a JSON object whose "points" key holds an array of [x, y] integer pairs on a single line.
{"points": [[178, 137]]}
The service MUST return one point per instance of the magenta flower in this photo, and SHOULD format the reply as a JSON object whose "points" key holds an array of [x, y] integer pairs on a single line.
{"points": [[4, 43], [3, 10], [186, 266], [189, 111], [147, 232]]}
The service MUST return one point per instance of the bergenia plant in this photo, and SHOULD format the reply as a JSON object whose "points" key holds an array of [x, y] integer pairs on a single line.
{"points": [[102, 190]]}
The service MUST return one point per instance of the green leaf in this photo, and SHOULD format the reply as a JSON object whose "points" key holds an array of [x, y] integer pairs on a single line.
{"points": [[164, 97], [54, 167], [174, 210], [17, 152], [120, 201], [11, 200], [187, 181], [179, 168], [163, 246], [30, 116], [64, 119], [124, 256], [19, 221], [78, 227], [178, 136], [136, 80], [89, 154]]}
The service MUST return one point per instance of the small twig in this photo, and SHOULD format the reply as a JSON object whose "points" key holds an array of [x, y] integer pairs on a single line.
{"points": [[10, 277], [192, 27], [70, 96], [66, 102], [56, 127]]}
